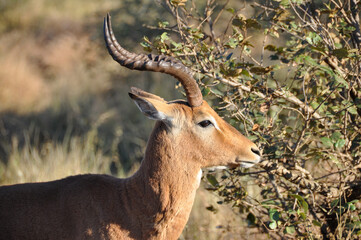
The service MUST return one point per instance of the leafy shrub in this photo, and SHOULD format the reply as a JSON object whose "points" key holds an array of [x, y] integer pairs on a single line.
{"points": [[287, 74]]}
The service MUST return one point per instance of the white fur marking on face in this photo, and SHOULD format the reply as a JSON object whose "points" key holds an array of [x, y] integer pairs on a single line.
{"points": [[246, 165], [217, 168], [199, 177], [214, 123]]}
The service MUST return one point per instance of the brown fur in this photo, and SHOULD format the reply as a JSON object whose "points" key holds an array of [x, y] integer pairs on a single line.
{"points": [[152, 204]]}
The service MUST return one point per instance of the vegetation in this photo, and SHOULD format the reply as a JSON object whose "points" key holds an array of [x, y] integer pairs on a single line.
{"points": [[286, 73]]}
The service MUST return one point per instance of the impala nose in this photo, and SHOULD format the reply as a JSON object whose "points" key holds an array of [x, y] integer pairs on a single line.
{"points": [[256, 151]]}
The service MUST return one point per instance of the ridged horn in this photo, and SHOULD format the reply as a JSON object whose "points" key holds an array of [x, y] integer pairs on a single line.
{"points": [[155, 63]]}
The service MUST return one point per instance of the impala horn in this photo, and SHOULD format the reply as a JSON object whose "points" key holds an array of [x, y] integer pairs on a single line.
{"points": [[155, 63]]}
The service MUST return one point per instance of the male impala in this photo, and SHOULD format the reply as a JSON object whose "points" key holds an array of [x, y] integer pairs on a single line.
{"points": [[156, 201]]}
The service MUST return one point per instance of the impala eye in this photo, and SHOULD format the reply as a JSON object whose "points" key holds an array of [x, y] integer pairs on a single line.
{"points": [[205, 123]]}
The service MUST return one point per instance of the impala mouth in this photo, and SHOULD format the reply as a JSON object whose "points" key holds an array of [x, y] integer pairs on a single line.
{"points": [[215, 168], [245, 163], [237, 163]]}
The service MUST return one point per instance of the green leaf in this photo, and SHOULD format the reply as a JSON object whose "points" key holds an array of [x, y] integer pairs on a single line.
{"points": [[231, 10], [205, 91], [340, 53], [285, 3], [274, 214], [232, 43], [319, 50], [305, 206], [245, 73], [198, 35], [176, 45], [341, 80], [164, 36], [316, 223], [251, 219], [313, 38], [336, 136], [340, 143], [302, 215], [334, 203], [146, 46], [274, 34], [326, 142], [260, 70], [271, 48], [273, 225], [252, 137], [352, 207], [252, 23], [163, 24], [290, 229], [212, 180], [178, 2], [229, 56], [352, 110], [302, 202], [309, 60], [267, 203]]}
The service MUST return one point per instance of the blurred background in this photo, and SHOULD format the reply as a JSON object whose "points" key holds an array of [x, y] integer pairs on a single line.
{"points": [[62, 97], [64, 107]]}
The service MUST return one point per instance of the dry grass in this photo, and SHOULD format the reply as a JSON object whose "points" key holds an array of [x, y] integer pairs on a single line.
{"points": [[22, 86], [54, 160], [37, 74], [46, 52]]}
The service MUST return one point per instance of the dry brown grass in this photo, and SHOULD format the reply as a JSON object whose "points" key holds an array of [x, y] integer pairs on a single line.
{"points": [[46, 51], [37, 73], [53, 161], [22, 86]]}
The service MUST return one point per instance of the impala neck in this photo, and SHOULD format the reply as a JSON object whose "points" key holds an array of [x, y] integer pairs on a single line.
{"points": [[169, 179]]}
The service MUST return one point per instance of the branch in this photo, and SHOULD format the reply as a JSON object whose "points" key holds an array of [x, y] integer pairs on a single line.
{"points": [[288, 96], [354, 21], [303, 179], [355, 95]]}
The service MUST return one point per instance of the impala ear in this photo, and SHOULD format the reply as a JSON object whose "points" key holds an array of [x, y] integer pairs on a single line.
{"points": [[153, 108], [141, 93]]}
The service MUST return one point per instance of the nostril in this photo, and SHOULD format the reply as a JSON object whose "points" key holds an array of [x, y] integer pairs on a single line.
{"points": [[256, 151]]}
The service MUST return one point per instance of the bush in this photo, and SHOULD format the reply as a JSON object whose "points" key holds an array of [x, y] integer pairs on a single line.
{"points": [[287, 74]]}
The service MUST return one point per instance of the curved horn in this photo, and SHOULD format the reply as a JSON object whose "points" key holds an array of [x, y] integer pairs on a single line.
{"points": [[155, 63]]}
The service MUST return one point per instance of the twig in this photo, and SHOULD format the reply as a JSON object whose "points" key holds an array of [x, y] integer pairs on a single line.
{"points": [[288, 96]]}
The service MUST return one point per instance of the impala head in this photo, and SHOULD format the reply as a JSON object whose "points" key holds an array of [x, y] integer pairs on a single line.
{"points": [[193, 125]]}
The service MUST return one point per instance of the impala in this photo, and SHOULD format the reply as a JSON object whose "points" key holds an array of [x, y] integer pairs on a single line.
{"points": [[156, 201]]}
